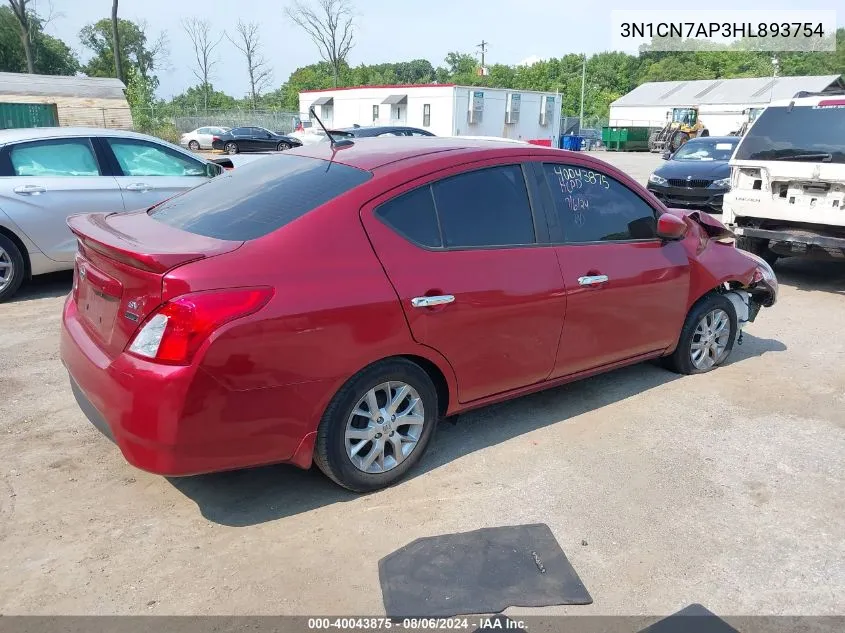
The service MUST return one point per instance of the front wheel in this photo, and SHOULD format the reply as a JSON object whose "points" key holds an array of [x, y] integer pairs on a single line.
{"points": [[377, 426], [282, 146], [707, 337], [231, 148], [678, 139], [194, 146]]}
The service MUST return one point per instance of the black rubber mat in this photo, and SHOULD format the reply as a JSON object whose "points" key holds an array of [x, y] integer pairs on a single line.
{"points": [[480, 572], [692, 619]]}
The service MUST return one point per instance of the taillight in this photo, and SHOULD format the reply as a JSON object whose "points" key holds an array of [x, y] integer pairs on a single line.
{"points": [[174, 332], [215, 138]]}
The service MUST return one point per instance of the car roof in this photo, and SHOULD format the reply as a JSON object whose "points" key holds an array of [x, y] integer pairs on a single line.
{"points": [[372, 153], [33, 133]]}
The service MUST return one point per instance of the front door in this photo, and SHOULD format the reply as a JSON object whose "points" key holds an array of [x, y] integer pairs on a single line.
{"points": [[149, 172], [626, 289], [43, 182], [462, 253]]}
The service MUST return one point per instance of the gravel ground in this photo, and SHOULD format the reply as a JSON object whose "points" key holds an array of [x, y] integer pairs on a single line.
{"points": [[724, 489]]}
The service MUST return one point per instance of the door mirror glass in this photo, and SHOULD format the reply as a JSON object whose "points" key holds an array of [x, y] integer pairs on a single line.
{"points": [[671, 227], [213, 169]]}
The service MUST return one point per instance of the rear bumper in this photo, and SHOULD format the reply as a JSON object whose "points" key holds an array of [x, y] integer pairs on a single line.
{"points": [[179, 421], [802, 236], [683, 197]]}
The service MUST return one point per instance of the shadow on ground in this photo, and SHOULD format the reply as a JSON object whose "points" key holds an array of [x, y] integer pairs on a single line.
{"points": [[257, 495], [805, 274], [44, 287]]}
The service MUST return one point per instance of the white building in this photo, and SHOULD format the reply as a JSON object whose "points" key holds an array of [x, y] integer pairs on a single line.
{"points": [[443, 109], [721, 101]]}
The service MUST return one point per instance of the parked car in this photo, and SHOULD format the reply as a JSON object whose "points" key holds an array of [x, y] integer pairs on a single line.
{"points": [[789, 176], [201, 137], [379, 130], [47, 174], [697, 175], [253, 139], [308, 133], [331, 306]]}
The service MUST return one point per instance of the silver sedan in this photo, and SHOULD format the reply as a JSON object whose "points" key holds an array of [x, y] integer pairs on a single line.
{"points": [[48, 174]]}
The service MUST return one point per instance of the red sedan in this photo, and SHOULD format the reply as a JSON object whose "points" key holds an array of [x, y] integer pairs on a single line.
{"points": [[331, 304]]}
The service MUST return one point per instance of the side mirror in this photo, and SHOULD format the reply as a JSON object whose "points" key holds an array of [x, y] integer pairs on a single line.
{"points": [[666, 155], [671, 227], [213, 169]]}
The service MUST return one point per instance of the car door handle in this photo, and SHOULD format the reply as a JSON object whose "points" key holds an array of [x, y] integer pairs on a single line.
{"points": [[27, 190], [429, 302], [138, 186], [592, 280]]}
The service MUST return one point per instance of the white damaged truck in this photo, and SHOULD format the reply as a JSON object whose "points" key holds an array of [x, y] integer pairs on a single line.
{"points": [[787, 195]]}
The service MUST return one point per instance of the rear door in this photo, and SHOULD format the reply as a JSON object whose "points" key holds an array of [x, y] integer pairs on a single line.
{"points": [[148, 172], [477, 280], [626, 289], [43, 182]]}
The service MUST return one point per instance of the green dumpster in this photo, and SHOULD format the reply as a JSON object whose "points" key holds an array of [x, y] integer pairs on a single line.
{"points": [[625, 139], [17, 115]]}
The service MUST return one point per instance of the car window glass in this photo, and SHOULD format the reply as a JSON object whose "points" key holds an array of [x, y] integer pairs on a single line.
{"points": [[392, 134], [815, 134], [706, 150], [259, 197], [240, 131], [204, 130], [138, 158], [413, 216], [486, 207], [592, 207], [68, 157]]}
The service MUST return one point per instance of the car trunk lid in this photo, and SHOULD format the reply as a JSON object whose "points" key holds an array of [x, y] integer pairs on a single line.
{"points": [[120, 268]]}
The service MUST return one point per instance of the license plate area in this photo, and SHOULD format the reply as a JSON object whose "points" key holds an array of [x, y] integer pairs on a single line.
{"points": [[99, 300]]}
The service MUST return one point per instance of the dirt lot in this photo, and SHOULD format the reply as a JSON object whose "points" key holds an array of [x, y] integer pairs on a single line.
{"points": [[726, 489]]}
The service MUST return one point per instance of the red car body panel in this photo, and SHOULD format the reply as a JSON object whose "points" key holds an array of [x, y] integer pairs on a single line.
{"points": [[258, 386]]}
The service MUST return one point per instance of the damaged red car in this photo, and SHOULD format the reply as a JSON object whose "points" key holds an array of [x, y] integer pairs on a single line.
{"points": [[330, 304]]}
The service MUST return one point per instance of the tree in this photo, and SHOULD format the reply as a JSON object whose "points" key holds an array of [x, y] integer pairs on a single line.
{"points": [[331, 27], [248, 42], [204, 44], [52, 55], [22, 15], [136, 49], [115, 33]]}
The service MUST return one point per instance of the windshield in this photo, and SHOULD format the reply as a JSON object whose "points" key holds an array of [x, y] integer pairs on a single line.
{"points": [[705, 150], [806, 133]]}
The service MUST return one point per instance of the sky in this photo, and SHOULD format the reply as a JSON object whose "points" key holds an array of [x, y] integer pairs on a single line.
{"points": [[386, 31]]}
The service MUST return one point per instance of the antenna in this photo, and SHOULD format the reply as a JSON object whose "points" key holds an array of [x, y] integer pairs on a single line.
{"points": [[334, 142]]}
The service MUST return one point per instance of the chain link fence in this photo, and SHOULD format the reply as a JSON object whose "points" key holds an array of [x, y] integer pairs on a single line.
{"points": [[280, 121]]}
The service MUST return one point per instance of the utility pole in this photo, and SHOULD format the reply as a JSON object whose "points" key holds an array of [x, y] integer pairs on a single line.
{"points": [[483, 47], [583, 84]]}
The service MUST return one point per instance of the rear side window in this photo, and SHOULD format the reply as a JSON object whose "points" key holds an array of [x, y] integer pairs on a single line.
{"points": [[805, 133], [413, 216], [593, 207], [487, 207], [65, 157], [258, 198]]}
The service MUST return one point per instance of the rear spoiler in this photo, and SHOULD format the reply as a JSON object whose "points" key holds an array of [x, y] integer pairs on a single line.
{"points": [[135, 239]]}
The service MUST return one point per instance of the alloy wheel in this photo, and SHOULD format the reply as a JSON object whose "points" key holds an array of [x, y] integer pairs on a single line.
{"points": [[384, 427], [7, 269], [710, 339]]}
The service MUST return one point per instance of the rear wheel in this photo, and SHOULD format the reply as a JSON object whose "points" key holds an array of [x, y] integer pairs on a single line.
{"points": [[231, 148], [707, 337], [194, 145], [12, 269], [377, 426], [758, 246]]}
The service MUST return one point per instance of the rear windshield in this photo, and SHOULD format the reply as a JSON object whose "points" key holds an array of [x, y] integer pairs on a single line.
{"points": [[805, 133], [258, 198]]}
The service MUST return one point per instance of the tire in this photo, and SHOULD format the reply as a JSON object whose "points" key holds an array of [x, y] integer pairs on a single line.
{"points": [[704, 133], [757, 246], [282, 146], [681, 360], [193, 146], [231, 148], [332, 448], [678, 139], [12, 268], [652, 141]]}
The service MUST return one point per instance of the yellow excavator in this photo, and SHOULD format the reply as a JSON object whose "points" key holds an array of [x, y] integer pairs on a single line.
{"points": [[682, 124]]}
